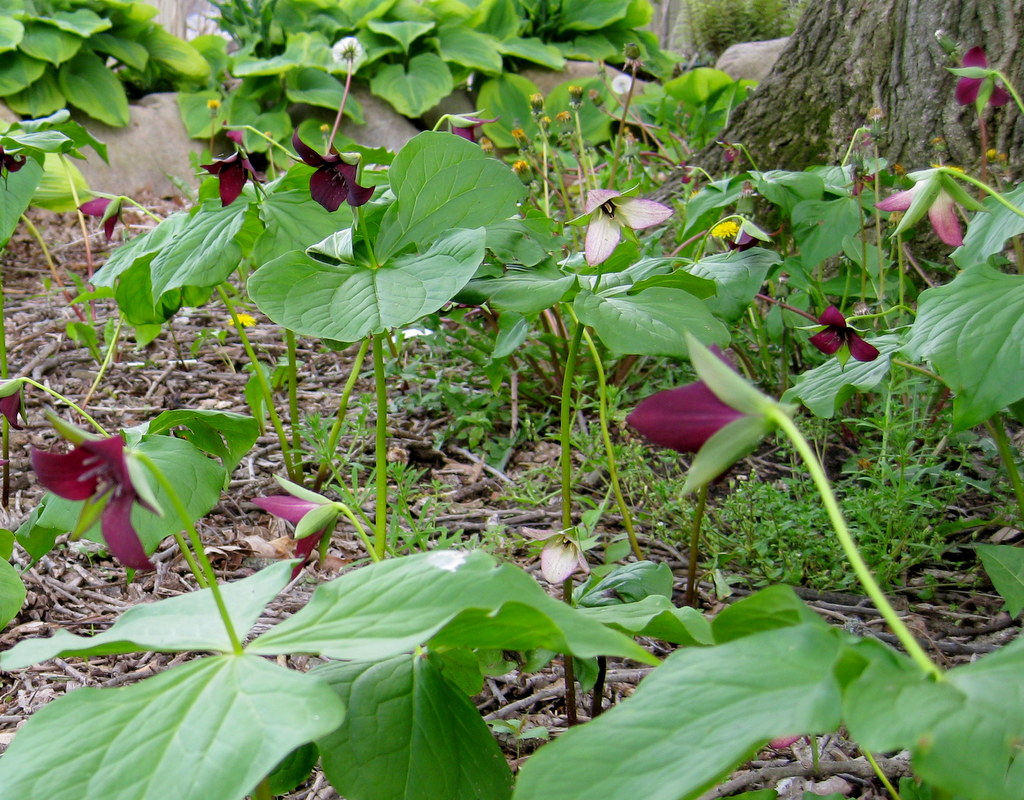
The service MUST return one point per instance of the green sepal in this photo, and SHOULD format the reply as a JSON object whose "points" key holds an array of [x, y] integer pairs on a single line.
{"points": [[960, 195], [137, 474], [92, 508], [316, 519], [737, 439], [728, 386], [923, 201], [12, 386], [300, 491]]}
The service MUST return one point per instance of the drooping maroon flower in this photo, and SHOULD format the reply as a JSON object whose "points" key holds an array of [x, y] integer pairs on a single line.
{"points": [[682, 419], [11, 403], [837, 334], [468, 126], [233, 171], [967, 88], [235, 136], [743, 241], [293, 509], [97, 471], [11, 162], [109, 212], [334, 181]]}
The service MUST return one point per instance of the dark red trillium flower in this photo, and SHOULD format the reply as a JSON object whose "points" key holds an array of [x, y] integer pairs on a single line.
{"points": [[967, 88], [233, 172], [98, 208], [742, 241], [97, 470], [235, 136], [11, 162], [334, 181], [293, 509], [683, 419], [11, 407], [468, 126], [837, 333]]}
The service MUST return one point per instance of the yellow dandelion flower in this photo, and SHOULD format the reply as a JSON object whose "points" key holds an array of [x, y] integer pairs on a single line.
{"points": [[727, 229], [246, 320], [213, 104]]}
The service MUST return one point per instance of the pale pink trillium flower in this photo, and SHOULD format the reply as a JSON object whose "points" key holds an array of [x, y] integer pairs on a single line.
{"points": [[560, 557], [610, 211], [967, 88], [938, 194]]}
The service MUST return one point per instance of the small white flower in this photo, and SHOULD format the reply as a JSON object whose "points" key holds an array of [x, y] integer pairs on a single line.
{"points": [[621, 83], [348, 54]]}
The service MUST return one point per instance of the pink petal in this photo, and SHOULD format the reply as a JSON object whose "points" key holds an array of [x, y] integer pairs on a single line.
{"points": [[597, 197], [558, 560], [603, 235], [861, 350], [638, 213], [96, 207], [832, 316], [682, 419], [289, 508], [119, 533], [967, 90], [945, 221], [828, 341], [901, 200], [61, 473]]}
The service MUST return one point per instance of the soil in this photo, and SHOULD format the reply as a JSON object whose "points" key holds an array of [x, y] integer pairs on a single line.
{"points": [[76, 587]]}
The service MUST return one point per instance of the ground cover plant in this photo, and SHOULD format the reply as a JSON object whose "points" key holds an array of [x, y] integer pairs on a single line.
{"points": [[833, 383]]}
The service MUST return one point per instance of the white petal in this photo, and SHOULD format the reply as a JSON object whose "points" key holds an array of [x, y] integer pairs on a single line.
{"points": [[602, 235], [598, 197], [559, 560], [637, 213]]}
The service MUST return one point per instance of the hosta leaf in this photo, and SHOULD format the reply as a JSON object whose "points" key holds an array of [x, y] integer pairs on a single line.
{"points": [[18, 71], [48, 43], [349, 301], [415, 88], [183, 728], [89, 85], [469, 48], [11, 31], [972, 331], [437, 743], [12, 593]]}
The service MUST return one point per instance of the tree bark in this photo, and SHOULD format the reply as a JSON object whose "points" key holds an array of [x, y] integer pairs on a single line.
{"points": [[848, 57]]}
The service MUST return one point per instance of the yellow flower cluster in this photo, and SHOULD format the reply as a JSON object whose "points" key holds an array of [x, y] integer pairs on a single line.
{"points": [[727, 229]]}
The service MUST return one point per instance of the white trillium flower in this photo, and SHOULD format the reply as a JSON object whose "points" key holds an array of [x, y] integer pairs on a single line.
{"points": [[610, 211]]}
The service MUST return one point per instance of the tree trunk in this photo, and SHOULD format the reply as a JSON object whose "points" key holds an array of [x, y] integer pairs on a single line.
{"points": [[850, 56]]}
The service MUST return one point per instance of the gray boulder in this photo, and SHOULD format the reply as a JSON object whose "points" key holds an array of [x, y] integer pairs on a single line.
{"points": [[751, 60]]}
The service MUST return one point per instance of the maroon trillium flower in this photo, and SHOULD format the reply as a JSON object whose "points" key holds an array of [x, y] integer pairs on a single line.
{"points": [[11, 162], [967, 88], [838, 334], [743, 241], [293, 509], [233, 172], [11, 405], [334, 181], [101, 207], [97, 470], [683, 419], [468, 126]]}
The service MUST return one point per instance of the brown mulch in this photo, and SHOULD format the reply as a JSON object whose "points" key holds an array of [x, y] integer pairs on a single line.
{"points": [[77, 588]]}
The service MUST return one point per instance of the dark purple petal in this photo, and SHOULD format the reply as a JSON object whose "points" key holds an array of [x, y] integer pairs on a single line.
{"points": [[466, 131], [235, 136], [832, 316], [285, 506], [64, 474], [306, 153], [743, 241], [335, 183], [682, 419], [999, 97], [304, 549], [10, 407], [108, 227], [967, 90], [975, 57], [861, 350], [119, 533], [96, 207], [108, 460], [829, 340], [233, 172], [11, 163]]}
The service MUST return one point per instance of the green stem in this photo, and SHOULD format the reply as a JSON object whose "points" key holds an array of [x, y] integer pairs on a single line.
{"points": [[568, 668], [1009, 461], [565, 425], [860, 568], [881, 776], [616, 151], [105, 363], [691, 573], [6, 428], [953, 173], [380, 522], [613, 469], [360, 530], [1009, 87], [197, 547], [293, 387], [74, 406], [335, 432], [261, 378]]}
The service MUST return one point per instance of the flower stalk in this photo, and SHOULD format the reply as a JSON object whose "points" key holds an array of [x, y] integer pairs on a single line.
{"points": [[380, 450]]}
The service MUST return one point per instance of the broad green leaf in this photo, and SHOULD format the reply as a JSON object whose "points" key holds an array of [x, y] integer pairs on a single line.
{"points": [[588, 47], [469, 48], [987, 232], [1005, 567], [787, 189], [12, 594], [183, 728], [414, 88], [81, 21], [11, 31], [126, 50], [437, 744], [535, 50], [16, 196], [819, 227], [825, 389], [175, 54], [196, 478], [442, 182], [303, 50], [698, 85], [628, 583], [404, 32], [894, 705], [526, 291], [738, 276], [655, 616], [315, 87], [144, 247], [48, 43], [702, 210], [391, 607], [89, 85], [586, 15], [651, 322], [349, 301], [177, 624], [224, 434], [972, 331], [507, 98], [209, 248], [294, 221], [39, 99], [17, 71], [736, 697], [766, 610], [200, 121]]}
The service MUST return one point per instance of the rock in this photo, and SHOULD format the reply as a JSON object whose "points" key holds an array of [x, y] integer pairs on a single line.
{"points": [[147, 156], [547, 79], [751, 60], [384, 126], [7, 116]]}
